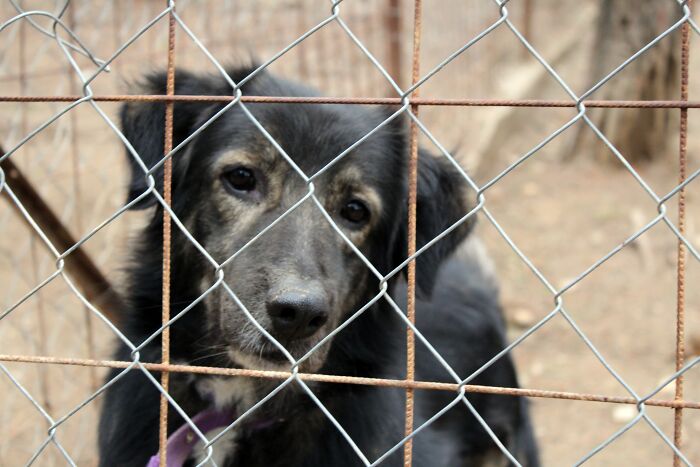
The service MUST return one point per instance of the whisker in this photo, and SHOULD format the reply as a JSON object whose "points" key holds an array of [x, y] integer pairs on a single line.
{"points": [[215, 354]]}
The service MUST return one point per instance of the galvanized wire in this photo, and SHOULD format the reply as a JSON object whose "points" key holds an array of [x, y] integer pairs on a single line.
{"points": [[69, 42]]}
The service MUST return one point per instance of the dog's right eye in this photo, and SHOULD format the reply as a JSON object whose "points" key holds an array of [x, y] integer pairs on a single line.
{"points": [[240, 179], [355, 211]]}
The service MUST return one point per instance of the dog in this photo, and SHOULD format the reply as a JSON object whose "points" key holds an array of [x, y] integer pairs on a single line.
{"points": [[301, 280]]}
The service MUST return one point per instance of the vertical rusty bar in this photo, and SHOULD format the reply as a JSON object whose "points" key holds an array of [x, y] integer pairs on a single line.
{"points": [[167, 196], [680, 299], [412, 201], [394, 51]]}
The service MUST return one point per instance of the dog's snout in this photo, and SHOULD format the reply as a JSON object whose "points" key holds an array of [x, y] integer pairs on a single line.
{"points": [[296, 315]]}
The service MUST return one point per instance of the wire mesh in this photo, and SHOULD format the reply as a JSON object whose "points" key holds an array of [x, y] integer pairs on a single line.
{"points": [[67, 50]]}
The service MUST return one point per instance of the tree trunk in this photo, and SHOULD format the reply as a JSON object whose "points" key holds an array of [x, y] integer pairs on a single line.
{"points": [[623, 28]]}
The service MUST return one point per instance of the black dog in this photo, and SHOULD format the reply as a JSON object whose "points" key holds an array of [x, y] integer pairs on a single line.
{"points": [[301, 280]]}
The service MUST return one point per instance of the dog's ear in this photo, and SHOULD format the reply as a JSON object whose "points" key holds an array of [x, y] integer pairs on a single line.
{"points": [[143, 125], [442, 200]]}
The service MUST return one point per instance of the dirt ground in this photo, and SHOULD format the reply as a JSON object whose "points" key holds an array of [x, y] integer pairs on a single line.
{"points": [[564, 217]]}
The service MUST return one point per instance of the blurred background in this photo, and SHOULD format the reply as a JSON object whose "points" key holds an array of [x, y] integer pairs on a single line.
{"points": [[566, 207]]}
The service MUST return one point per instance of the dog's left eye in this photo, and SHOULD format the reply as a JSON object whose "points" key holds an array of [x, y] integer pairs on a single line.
{"points": [[240, 179], [355, 211]]}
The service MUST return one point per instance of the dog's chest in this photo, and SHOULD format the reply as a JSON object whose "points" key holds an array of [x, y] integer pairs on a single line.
{"points": [[224, 449], [228, 393], [237, 394]]}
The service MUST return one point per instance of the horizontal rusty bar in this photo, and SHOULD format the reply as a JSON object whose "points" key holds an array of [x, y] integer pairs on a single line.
{"points": [[323, 378], [616, 104]]}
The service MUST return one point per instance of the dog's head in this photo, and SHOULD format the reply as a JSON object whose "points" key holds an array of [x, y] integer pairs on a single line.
{"points": [[295, 270]]}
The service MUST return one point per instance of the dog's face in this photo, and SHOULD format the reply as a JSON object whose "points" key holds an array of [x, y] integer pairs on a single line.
{"points": [[289, 245], [301, 278]]}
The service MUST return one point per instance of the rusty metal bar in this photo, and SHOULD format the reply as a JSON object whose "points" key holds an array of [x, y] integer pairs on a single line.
{"points": [[167, 234], [88, 278], [412, 202], [423, 101], [335, 379], [680, 288]]}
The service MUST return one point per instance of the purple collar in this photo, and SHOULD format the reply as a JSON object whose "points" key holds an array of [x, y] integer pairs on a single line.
{"points": [[182, 442]]}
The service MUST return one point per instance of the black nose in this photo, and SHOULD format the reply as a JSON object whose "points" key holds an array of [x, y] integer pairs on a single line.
{"points": [[296, 315]]}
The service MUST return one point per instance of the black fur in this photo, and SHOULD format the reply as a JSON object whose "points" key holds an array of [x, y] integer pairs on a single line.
{"points": [[457, 309]]}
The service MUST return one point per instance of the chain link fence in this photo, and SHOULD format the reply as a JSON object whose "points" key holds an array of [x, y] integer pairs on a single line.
{"points": [[63, 67]]}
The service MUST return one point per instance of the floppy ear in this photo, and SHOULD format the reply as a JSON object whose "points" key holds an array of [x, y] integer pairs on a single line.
{"points": [[442, 200], [143, 124]]}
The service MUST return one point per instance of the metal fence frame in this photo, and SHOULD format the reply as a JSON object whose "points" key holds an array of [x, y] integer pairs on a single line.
{"points": [[409, 103]]}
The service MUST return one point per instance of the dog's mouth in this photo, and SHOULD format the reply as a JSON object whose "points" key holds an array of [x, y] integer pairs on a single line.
{"points": [[268, 357], [273, 355]]}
